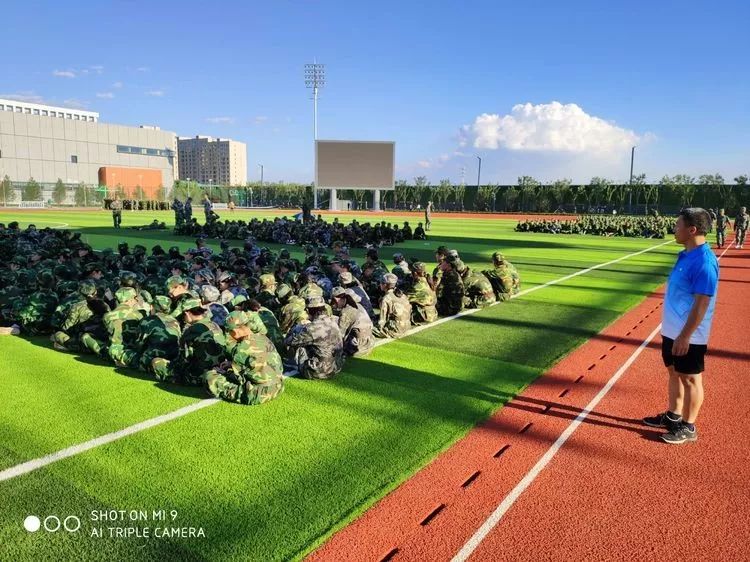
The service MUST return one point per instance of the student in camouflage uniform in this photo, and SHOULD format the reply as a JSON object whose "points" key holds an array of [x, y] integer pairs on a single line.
{"points": [[478, 291], [273, 330], [35, 315], [503, 276], [209, 297], [316, 348], [395, 310], [253, 374], [158, 336], [353, 321], [741, 222], [437, 272], [202, 346], [116, 207], [86, 314], [722, 220], [421, 296], [450, 289], [267, 295], [121, 325], [293, 310]]}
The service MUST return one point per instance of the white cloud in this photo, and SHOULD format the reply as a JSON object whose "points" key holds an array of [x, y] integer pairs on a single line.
{"points": [[117, 85], [64, 73], [28, 97], [260, 119], [155, 93], [105, 95], [97, 68], [142, 69], [426, 164], [75, 104], [220, 120], [552, 127]]}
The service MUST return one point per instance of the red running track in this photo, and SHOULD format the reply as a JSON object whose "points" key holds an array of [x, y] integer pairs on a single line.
{"points": [[614, 490]]}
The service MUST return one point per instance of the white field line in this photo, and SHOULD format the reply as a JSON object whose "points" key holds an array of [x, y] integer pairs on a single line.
{"points": [[40, 462], [507, 502]]}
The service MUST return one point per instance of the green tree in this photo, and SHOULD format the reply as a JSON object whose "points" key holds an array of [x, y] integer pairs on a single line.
{"points": [[58, 193], [459, 192], [140, 194], [7, 193], [441, 192], [421, 186], [510, 198], [528, 186], [486, 197], [682, 186], [79, 195], [560, 192], [400, 193], [716, 188], [32, 191]]}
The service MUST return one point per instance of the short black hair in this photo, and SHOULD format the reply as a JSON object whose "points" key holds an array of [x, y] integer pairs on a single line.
{"points": [[697, 217]]}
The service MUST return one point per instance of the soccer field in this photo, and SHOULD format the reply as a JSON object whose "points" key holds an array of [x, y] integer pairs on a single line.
{"points": [[273, 482]]}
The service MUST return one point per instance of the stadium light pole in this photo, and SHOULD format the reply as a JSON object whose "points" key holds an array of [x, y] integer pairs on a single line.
{"points": [[479, 171], [315, 78], [630, 189]]}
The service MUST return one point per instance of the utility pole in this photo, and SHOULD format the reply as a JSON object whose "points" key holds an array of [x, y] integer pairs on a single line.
{"points": [[479, 172], [315, 78]]}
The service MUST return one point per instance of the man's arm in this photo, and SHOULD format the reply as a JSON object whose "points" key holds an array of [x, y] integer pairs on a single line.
{"points": [[697, 312]]}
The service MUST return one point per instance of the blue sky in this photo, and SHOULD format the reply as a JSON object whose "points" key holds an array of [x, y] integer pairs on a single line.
{"points": [[670, 77]]}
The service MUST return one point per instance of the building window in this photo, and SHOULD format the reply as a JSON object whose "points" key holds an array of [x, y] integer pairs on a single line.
{"points": [[68, 116], [77, 117], [27, 110], [74, 159], [44, 112], [36, 112]]}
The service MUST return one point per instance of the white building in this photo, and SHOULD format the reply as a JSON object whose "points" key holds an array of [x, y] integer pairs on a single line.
{"points": [[212, 161], [48, 143]]}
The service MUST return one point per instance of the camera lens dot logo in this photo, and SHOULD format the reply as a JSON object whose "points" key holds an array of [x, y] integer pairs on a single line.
{"points": [[32, 523]]}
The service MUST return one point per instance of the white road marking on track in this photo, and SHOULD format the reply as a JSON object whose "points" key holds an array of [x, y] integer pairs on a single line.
{"points": [[495, 517], [40, 462]]}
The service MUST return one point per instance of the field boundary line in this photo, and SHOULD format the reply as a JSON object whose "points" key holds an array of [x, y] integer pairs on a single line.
{"points": [[34, 464], [492, 521]]}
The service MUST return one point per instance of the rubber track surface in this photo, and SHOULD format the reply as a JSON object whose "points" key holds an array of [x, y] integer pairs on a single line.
{"points": [[614, 491]]}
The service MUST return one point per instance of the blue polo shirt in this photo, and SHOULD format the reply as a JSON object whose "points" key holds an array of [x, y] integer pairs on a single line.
{"points": [[695, 273]]}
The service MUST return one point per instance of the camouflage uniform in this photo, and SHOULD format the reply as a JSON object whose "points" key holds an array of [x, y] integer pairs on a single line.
{"points": [[478, 290], [76, 319], [317, 347], [273, 330], [450, 294], [35, 315], [121, 325], [292, 314], [504, 277], [254, 373], [355, 325], [395, 312], [423, 300], [202, 347]]}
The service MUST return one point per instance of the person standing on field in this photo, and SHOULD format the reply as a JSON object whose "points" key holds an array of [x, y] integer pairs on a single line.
{"points": [[722, 220], [741, 222], [428, 216], [116, 208], [686, 324]]}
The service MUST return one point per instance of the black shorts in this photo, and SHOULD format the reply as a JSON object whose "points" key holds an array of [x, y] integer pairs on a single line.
{"points": [[689, 364]]}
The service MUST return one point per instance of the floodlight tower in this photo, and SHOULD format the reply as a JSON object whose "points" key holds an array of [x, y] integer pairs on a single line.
{"points": [[315, 78]]}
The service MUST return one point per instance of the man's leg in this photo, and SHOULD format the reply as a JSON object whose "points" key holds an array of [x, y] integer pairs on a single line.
{"points": [[692, 386], [676, 392]]}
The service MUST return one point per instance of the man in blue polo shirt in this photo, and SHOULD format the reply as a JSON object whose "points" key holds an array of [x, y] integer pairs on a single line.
{"points": [[686, 324]]}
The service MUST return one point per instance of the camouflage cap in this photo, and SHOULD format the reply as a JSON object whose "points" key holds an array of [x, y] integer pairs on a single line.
{"points": [[175, 281], [45, 277], [209, 293], [390, 279], [206, 274], [498, 256], [255, 323], [398, 256], [124, 294], [162, 303], [452, 253], [315, 301], [338, 292], [345, 277], [419, 267], [18, 260], [355, 296], [267, 280], [225, 276], [238, 300], [189, 303], [128, 278], [87, 288], [235, 319], [283, 290]]}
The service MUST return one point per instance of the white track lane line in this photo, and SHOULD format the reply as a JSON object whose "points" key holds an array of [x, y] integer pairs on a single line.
{"points": [[29, 466], [492, 521]]}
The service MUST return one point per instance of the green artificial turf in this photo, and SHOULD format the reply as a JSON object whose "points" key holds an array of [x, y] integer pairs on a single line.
{"points": [[272, 482]]}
